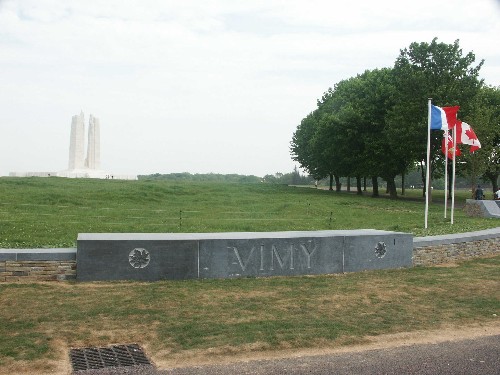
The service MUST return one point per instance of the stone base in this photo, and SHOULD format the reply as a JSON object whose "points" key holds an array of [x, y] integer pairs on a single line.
{"points": [[153, 256], [485, 208], [77, 173]]}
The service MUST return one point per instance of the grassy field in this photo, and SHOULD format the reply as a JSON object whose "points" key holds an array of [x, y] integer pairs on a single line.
{"points": [[177, 320], [50, 212]]}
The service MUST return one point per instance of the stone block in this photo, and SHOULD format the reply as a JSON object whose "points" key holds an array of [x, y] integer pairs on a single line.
{"points": [[66, 277], [60, 254], [7, 255], [149, 257], [139, 259], [20, 273], [226, 258], [380, 251]]}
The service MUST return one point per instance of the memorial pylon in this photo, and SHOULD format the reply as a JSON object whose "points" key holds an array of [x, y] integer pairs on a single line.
{"points": [[76, 142], [79, 165], [93, 160]]}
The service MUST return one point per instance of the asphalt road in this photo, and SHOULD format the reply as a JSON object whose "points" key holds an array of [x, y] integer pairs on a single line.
{"points": [[479, 356]]}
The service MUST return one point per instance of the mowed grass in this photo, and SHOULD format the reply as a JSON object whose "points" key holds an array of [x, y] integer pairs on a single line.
{"points": [[50, 212], [176, 320]]}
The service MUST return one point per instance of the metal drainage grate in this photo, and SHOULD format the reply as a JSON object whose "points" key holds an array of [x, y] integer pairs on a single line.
{"points": [[112, 356]]}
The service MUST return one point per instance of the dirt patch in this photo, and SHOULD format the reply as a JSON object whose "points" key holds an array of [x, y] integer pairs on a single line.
{"points": [[212, 357]]}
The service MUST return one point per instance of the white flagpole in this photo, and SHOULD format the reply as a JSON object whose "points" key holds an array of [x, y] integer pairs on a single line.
{"points": [[446, 174], [453, 173], [428, 169]]}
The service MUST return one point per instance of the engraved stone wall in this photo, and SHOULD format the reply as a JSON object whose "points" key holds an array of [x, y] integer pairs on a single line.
{"points": [[150, 257], [240, 256]]}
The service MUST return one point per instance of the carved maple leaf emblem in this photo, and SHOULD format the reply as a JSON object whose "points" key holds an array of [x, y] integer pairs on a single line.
{"points": [[139, 258]]}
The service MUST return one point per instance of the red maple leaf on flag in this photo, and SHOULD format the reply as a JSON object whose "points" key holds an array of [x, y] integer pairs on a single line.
{"points": [[466, 135], [470, 133]]}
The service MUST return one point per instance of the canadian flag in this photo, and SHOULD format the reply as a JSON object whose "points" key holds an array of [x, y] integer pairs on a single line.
{"points": [[466, 135], [452, 150]]}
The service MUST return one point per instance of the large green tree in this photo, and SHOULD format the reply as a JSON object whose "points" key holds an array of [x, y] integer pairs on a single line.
{"points": [[341, 129], [303, 149], [484, 117], [375, 124], [429, 70], [374, 98]]}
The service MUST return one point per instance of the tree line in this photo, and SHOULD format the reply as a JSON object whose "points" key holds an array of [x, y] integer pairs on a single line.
{"points": [[374, 125], [290, 178]]}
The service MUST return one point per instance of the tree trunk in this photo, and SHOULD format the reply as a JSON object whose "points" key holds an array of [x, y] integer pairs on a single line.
{"points": [[391, 186], [494, 183], [493, 177], [358, 185], [348, 183], [403, 184], [331, 181], [375, 186], [338, 184], [364, 183]]}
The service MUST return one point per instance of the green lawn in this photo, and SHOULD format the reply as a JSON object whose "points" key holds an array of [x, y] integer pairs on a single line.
{"points": [[50, 212], [178, 319]]}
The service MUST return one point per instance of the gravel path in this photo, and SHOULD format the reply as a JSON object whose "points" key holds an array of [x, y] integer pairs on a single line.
{"points": [[479, 356]]}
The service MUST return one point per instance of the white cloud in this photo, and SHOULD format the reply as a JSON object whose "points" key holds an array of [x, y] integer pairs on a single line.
{"points": [[200, 86]]}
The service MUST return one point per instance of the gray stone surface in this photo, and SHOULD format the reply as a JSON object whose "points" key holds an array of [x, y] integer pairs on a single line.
{"points": [[492, 209], [114, 260], [38, 254], [456, 238], [227, 258], [377, 252], [157, 256], [488, 208]]}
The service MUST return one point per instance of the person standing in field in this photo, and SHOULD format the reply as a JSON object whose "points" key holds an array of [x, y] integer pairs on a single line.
{"points": [[479, 193]]}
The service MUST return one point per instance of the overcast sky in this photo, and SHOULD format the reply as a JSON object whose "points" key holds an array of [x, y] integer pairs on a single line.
{"points": [[201, 86]]}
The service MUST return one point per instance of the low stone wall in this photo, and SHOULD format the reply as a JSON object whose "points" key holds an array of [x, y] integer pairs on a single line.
{"points": [[60, 264], [37, 264], [433, 250], [180, 256]]}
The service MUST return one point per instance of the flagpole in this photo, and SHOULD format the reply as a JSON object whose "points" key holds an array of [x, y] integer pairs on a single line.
{"points": [[428, 169], [446, 174], [453, 172]]}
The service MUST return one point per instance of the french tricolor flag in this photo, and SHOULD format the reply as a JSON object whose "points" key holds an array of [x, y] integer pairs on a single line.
{"points": [[443, 118]]}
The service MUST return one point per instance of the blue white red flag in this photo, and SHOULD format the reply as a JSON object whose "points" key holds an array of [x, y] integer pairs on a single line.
{"points": [[443, 118]]}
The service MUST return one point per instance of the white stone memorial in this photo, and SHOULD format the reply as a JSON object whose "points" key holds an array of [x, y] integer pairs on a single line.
{"points": [[93, 160], [80, 166]]}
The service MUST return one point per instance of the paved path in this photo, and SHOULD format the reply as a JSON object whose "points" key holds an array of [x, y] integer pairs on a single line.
{"points": [[479, 356]]}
